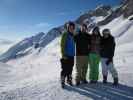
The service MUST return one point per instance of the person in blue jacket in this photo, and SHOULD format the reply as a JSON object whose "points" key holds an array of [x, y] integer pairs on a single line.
{"points": [[68, 53]]}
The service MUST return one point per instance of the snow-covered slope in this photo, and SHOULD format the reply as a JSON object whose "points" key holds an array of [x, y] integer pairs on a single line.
{"points": [[20, 47], [26, 46]]}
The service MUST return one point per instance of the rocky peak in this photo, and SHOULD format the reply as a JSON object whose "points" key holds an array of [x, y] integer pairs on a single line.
{"points": [[102, 10]]}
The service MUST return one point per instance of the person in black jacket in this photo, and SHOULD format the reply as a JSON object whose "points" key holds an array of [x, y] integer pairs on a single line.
{"points": [[82, 40], [107, 54]]}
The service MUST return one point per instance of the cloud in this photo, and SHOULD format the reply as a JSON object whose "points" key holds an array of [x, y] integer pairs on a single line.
{"points": [[5, 42], [5, 45]]}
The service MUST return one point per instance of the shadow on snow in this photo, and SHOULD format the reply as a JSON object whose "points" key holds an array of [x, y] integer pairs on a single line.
{"points": [[101, 91]]}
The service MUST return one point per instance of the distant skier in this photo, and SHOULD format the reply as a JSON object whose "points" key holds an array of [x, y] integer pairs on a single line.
{"points": [[94, 56], [68, 53], [107, 53], [82, 41]]}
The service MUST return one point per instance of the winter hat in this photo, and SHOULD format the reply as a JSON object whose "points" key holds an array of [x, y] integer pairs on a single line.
{"points": [[71, 24], [106, 31]]}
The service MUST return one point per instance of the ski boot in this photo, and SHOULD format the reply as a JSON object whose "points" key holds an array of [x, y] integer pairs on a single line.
{"points": [[69, 80], [116, 81], [62, 81], [104, 79]]}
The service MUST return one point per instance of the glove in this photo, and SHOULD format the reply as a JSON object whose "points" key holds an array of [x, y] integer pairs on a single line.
{"points": [[109, 61]]}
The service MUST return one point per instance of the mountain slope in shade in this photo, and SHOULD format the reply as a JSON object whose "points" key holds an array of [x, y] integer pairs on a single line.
{"points": [[38, 41]]}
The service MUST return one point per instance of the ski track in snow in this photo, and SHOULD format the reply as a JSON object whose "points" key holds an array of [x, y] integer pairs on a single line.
{"points": [[53, 91]]}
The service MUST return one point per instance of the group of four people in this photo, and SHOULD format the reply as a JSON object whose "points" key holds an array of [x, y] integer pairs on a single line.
{"points": [[87, 50]]}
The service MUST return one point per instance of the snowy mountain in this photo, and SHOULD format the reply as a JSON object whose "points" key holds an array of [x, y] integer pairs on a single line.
{"points": [[101, 16], [27, 45], [100, 11], [35, 76]]}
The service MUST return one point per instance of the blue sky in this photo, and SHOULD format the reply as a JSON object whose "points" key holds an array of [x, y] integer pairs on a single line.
{"points": [[24, 18]]}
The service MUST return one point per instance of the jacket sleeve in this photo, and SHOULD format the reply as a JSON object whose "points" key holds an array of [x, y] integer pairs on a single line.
{"points": [[75, 38], [63, 43], [114, 44], [113, 47]]}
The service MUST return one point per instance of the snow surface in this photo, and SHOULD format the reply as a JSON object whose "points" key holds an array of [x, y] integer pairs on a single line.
{"points": [[36, 76]]}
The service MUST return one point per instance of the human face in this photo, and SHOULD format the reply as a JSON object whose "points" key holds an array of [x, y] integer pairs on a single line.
{"points": [[106, 34], [71, 29], [96, 32], [83, 29]]}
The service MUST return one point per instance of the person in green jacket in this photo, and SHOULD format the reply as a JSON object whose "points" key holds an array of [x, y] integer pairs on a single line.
{"points": [[68, 53], [94, 56]]}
